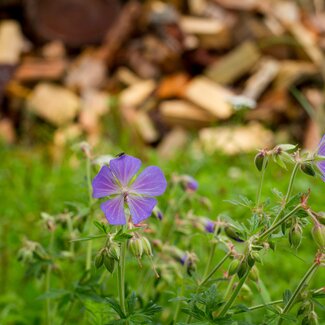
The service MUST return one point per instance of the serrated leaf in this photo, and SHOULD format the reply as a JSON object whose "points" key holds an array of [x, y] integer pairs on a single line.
{"points": [[115, 306], [286, 296]]}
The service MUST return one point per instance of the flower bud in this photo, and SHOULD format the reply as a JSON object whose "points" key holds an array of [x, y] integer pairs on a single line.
{"points": [[209, 226], [189, 183], [114, 251], [253, 257], [109, 263], [146, 246], [308, 169], [259, 160], [254, 274], [136, 246], [233, 234], [99, 259], [295, 235], [242, 268], [157, 213], [310, 319], [233, 267], [304, 308], [318, 233]]}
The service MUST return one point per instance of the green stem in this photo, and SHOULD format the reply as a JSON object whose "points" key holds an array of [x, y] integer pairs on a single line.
{"points": [[214, 270], [234, 295], [272, 303], [260, 186], [121, 277], [207, 277], [48, 282], [310, 272], [67, 313], [229, 287], [178, 306], [289, 190], [276, 225], [89, 221]]}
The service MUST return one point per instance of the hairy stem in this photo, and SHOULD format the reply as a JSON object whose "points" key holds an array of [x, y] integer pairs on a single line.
{"points": [[308, 275], [277, 224], [289, 190], [88, 222], [121, 277], [260, 186], [272, 303], [234, 295], [48, 282]]}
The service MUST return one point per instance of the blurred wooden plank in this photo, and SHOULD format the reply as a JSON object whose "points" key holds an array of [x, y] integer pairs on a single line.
{"points": [[257, 83], [145, 127], [39, 69], [210, 96], [236, 139], [180, 111], [137, 93], [235, 64], [173, 143]]}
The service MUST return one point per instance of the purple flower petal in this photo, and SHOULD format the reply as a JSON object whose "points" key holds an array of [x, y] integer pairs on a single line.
{"points": [[140, 207], [104, 183], [150, 182], [321, 167], [321, 150], [114, 210], [124, 168]]}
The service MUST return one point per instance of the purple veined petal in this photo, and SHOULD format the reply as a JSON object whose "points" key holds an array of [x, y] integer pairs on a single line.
{"points": [[114, 210], [321, 150], [321, 167], [104, 183], [124, 168], [150, 182], [140, 207]]}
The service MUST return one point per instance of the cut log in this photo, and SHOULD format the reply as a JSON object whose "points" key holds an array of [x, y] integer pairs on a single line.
{"points": [[53, 103], [257, 83], [184, 113], [173, 143], [236, 139], [210, 96], [235, 64], [40, 69], [136, 94]]}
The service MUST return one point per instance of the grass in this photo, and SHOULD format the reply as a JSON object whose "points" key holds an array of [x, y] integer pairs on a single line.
{"points": [[31, 182]]}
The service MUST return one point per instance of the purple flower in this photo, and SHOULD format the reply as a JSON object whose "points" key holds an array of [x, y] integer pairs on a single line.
{"points": [[189, 183], [117, 181], [321, 152], [209, 226]]}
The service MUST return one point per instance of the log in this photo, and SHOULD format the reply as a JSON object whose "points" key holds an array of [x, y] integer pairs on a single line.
{"points": [[210, 96], [235, 64]]}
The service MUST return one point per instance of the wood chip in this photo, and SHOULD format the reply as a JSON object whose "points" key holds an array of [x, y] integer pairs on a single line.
{"points": [[40, 69], [173, 86], [236, 139], [198, 25], [55, 104], [145, 127], [173, 143], [257, 83], [210, 96], [7, 131], [235, 64], [11, 42], [180, 111], [137, 93]]}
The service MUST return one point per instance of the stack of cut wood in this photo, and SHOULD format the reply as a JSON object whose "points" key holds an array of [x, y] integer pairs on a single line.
{"points": [[233, 70]]}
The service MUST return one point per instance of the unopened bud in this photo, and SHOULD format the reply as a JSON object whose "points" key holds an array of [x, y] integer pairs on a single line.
{"points": [[233, 267], [146, 246], [109, 263], [99, 259], [295, 235], [254, 274], [318, 233], [136, 246], [233, 233], [209, 226], [114, 251], [189, 183], [242, 268], [253, 257], [260, 160], [308, 169]]}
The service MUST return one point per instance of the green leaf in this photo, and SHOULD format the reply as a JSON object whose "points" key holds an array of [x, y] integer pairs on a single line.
{"points": [[286, 296], [116, 306], [91, 237]]}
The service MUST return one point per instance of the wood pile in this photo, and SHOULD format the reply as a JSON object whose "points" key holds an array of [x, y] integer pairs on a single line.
{"points": [[242, 74]]}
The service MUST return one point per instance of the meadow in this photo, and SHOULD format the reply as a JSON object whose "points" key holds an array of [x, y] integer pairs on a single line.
{"points": [[48, 218]]}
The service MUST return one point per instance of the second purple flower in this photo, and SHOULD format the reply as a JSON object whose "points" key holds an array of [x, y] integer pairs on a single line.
{"points": [[117, 181]]}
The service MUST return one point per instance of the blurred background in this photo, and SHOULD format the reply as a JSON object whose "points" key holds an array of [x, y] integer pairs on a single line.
{"points": [[194, 86]]}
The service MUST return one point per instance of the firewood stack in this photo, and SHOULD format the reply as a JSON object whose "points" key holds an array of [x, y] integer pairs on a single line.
{"points": [[242, 74]]}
